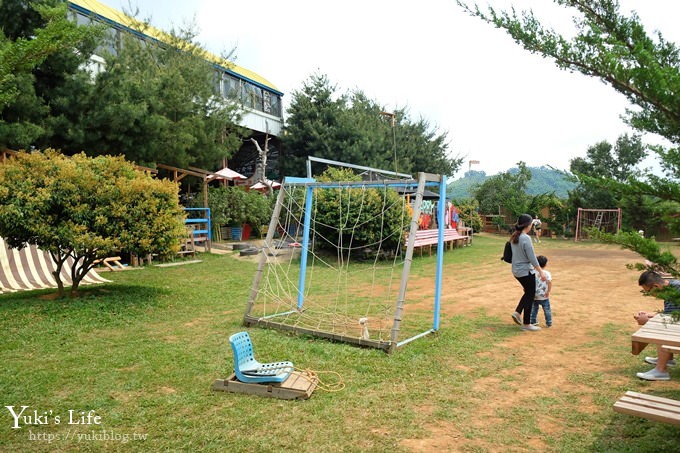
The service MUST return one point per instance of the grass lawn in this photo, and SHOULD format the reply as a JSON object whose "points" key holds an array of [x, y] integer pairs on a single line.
{"points": [[139, 356]]}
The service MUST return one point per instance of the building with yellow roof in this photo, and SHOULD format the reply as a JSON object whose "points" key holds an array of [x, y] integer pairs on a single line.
{"points": [[260, 98]]}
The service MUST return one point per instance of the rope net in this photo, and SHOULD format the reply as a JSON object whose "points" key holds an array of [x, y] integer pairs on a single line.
{"points": [[354, 264]]}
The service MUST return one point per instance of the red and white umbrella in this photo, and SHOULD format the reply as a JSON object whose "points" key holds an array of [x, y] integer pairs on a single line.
{"points": [[262, 186], [226, 173]]}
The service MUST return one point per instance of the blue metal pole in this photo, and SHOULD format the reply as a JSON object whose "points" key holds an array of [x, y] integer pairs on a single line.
{"points": [[441, 224], [305, 247]]}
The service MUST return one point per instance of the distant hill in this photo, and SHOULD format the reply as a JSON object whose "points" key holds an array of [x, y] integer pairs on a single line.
{"points": [[543, 180]]}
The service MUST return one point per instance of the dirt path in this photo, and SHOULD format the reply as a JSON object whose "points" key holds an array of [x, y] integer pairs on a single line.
{"points": [[591, 288]]}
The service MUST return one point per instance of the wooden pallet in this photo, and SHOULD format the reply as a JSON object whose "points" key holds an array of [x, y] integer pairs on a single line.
{"points": [[298, 386]]}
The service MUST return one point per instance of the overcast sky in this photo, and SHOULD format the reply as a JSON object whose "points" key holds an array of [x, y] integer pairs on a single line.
{"points": [[498, 103]]}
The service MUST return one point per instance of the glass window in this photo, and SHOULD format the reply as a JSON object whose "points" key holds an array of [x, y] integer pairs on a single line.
{"points": [[217, 81], [230, 86], [82, 19], [276, 105], [257, 98], [110, 43], [247, 95]]}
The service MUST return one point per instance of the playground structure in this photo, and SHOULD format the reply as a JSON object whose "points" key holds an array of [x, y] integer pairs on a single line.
{"points": [[606, 220], [298, 288], [199, 227]]}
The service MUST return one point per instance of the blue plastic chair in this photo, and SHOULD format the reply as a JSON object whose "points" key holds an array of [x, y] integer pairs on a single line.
{"points": [[248, 369]]}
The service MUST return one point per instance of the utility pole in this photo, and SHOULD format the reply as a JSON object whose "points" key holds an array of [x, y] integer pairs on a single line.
{"points": [[391, 115]]}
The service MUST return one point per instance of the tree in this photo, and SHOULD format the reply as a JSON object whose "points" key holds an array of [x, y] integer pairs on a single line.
{"points": [[312, 128], [507, 190], [560, 214], [261, 168], [617, 50], [469, 213], [352, 128], [86, 209], [618, 163], [611, 47], [156, 103], [41, 51], [421, 148]]}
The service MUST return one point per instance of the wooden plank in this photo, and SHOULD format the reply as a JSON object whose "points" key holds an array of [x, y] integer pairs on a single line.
{"points": [[652, 414], [300, 381], [298, 386], [648, 406], [116, 262], [656, 337], [430, 237], [644, 397], [671, 349], [386, 346], [644, 404]]}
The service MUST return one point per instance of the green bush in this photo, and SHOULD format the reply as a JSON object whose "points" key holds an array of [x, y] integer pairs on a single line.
{"points": [[234, 206], [468, 214]]}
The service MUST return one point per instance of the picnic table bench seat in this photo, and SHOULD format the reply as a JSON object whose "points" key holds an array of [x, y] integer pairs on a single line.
{"points": [[648, 406], [671, 349]]}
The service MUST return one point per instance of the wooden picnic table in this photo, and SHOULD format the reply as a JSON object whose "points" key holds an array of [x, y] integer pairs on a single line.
{"points": [[658, 330]]}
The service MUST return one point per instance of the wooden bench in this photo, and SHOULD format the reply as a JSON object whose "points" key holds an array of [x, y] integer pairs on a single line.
{"points": [[196, 236], [187, 246], [651, 407], [431, 237]]}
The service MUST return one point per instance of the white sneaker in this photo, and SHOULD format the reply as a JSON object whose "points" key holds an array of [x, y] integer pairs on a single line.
{"points": [[653, 375], [531, 328], [516, 318], [653, 360]]}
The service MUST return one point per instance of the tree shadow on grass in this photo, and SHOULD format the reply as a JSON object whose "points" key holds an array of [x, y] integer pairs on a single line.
{"points": [[108, 304], [635, 434]]}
